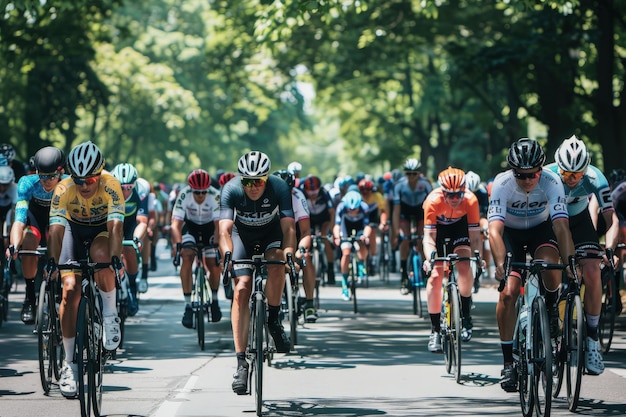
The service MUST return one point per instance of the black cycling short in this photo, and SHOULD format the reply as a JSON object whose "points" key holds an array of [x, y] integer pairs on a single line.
{"points": [[533, 238], [244, 244], [583, 233], [456, 232]]}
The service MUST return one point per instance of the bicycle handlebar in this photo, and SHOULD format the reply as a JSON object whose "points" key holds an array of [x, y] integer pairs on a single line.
{"points": [[535, 266], [252, 261]]}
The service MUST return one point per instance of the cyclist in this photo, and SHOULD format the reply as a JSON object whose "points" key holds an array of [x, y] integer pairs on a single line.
{"points": [[472, 181], [303, 237], [149, 239], [194, 219], [8, 151], [135, 225], [351, 218], [527, 207], [408, 196], [8, 200], [378, 215], [295, 167], [322, 211], [450, 211], [580, 179], [256, 210], [32, 211], [86, 207]]}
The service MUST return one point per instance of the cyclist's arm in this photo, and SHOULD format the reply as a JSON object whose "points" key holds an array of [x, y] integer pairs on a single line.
{"points": [[176, 231], [564, 239], [116, 236], [429, 243], [612, 229], [225, 227], [496, 243], [55, 241], [288, 226], [305, 233], [141, 228], [17, 235]]}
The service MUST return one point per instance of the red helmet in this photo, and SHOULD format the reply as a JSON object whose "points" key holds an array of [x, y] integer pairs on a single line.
{"points": [[225, 177], [199, 179], [452, 180], [312, 183], [366, 185]]}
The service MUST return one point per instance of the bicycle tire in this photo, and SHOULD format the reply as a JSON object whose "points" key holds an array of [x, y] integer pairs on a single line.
{"points": [[541, 358], [260, 347], [455, 331], [446, 346], [413, 267], [45, 338], [84, 347], [353, 279], [558, 366], [524, 376], [291, 311], [608, 313], [575, 342], [200, 306]]}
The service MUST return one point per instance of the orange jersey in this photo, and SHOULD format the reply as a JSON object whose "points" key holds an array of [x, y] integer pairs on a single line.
{"points": [[438, 212]]}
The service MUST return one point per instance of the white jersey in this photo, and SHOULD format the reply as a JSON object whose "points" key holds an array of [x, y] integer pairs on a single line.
{"points": [[521, 210], [300, 206], [186, 208]]}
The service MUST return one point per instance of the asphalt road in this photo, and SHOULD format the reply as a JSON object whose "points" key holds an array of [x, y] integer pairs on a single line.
{"points": [[368, 364]]}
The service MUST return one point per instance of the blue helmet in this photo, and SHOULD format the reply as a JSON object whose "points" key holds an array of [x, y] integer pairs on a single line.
{"points": [[352, 200]]}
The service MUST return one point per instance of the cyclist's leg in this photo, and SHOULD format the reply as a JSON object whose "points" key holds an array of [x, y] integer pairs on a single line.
{"points": [[330, 253], [240, 315], [187, 257], [345, 269], [274, 291], [29, 264], [405, 230], [105, 279], [434, 298], [465, 281]]}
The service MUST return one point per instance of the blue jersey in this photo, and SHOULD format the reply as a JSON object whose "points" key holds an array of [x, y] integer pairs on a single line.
{"points": [[31, 196], [593, 182], [349, 223]]}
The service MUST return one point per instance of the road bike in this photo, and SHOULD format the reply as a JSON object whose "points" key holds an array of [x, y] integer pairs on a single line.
{"points": [[292, 303], [89, 353], [532, 345], [260, 348], [47, 324], [451, 316], [414, 269], [320, 263], [571, 342], [200, 293]]}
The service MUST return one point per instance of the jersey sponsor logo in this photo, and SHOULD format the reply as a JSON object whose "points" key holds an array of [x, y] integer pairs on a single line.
{"points": [[494, 210], [257, 219], [559, 207], [519, 204], [265, 203]]}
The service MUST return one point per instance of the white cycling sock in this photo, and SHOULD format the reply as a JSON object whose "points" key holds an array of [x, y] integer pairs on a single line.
{"points": [[108, 303], [68, 345]]}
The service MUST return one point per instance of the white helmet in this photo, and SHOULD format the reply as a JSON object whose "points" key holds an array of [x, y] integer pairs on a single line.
{"points": [[412, 164], [572, 155], [7, 176], [125, 173], [85, 160], [294, 167], [254, 164], [472, 180]]}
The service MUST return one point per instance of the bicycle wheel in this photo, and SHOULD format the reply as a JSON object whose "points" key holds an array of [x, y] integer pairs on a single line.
{"points": [[353, 278], [559, 359], [455, 331], [413, 267], [260, 351], [608, 312], [45, 338], [96, 362], [446, 346], [84, 353], [575, 340], [292, 314], [541, 358], [199, 306], [524, 373]]}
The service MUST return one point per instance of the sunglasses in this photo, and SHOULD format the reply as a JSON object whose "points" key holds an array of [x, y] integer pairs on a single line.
{"points": [[458, 194], [128, 187], [253, 182], [198, 192], [571, 175], [526, 175], [48, 177], [88, 180]]}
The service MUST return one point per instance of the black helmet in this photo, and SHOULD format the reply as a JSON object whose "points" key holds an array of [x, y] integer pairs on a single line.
{"points": [[287, 176], [49, 160], [617, 176], [526, 154]]}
